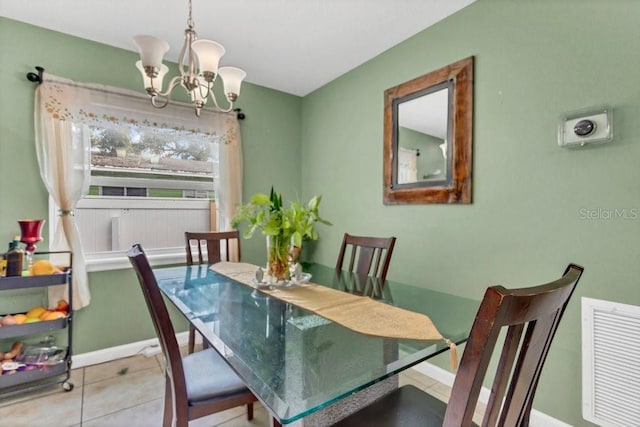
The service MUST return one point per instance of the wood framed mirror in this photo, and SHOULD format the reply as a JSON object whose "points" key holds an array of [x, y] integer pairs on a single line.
{"points": [[428, 136]]}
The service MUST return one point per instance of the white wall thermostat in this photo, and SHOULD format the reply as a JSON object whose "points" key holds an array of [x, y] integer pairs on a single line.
{"points": [[587, 126]]}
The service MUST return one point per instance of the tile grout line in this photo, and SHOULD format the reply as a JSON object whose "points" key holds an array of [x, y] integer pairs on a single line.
{"points": [[82, 399], [123, 409]]}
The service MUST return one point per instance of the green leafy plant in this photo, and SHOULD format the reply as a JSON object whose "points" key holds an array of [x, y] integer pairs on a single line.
{"points": [[285, 227]]}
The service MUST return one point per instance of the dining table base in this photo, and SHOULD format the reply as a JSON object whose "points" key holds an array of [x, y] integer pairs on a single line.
{"points": [[346, 406]]}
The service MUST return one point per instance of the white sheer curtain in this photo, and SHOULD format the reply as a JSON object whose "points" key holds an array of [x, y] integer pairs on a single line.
{"points": [[63, 151], [65, 109], [229, 183]]}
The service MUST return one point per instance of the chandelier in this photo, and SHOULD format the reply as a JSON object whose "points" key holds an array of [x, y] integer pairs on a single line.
{"points": [[197, 75]]}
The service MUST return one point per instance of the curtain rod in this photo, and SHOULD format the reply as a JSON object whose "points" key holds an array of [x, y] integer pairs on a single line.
{"points": [[37, 78]]}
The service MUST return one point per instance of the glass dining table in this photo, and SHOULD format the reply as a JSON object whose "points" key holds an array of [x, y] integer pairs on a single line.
{"points": [[295, 361]]}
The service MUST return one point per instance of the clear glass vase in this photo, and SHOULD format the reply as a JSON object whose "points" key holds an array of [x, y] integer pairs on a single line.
{"points": [[278, 258], [294, 253], [295, 269]]}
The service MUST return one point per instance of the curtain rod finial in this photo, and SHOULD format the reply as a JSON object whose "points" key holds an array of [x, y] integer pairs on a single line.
{"points": [[33, 77], [241, 115]]}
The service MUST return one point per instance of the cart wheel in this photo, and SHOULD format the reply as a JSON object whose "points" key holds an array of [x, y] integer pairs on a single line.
{"points": [[67, 386]]}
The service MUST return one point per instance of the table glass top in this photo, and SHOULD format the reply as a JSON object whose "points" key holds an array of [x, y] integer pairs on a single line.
{"points": [[298, 362]]}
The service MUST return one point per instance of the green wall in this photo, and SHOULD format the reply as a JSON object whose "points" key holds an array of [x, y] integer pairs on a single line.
{"points": [[534, 60], [117, 314]]}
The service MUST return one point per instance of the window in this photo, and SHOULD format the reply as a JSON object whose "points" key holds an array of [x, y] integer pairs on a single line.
{"points": [[147, 185], [150, 206], [122, 191], [194, 194], [153, 173], [147, 162]]}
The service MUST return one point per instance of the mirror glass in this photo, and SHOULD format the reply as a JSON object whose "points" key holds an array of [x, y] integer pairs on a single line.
{"points": [[423, 132], [427, 137]]}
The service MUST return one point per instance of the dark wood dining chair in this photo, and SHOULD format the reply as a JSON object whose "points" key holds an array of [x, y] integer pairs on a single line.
{"points": [[199, 384], [369, 256], [530, 317], [213, 242]]}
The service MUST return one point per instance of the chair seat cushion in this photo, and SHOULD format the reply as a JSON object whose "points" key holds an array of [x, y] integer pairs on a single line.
{"points": [[209, 377], [406, 406]]}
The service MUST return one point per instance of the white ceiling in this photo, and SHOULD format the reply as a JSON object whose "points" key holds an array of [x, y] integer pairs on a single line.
{"points": [[295, 46]]}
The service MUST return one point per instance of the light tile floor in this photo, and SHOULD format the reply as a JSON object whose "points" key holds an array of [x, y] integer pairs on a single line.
{"points": [[130, 392]]}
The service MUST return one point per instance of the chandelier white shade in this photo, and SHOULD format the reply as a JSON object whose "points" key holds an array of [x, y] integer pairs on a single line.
{"points": [[156, 80], [152, 50], [198, 67], [209, 54]]}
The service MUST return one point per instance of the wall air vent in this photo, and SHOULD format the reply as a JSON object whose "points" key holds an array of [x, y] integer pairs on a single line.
{"points": [[610, 363]]}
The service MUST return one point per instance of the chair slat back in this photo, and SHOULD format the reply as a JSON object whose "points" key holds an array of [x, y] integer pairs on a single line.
{"points": [[161, 320], [212, 240], [531, 317], [369, 256], [358, 284]]}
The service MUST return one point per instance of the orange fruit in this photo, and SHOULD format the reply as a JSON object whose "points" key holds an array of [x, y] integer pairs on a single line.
{"points": [[53, 315], [44, 314], [20, 318], [35, 312], [43, 267], [63, 305]]}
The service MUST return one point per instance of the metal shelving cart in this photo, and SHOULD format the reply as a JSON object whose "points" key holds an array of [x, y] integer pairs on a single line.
{"points": [[47, 374]]}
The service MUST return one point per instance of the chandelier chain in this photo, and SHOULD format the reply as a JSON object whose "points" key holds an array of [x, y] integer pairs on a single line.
{"points": [[190, 20]]}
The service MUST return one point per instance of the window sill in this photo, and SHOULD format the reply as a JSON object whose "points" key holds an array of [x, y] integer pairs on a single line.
{"points": [[118, 260]]}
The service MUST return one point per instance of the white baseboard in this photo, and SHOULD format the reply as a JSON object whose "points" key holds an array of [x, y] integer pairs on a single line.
{"points": [[147, 347], [538, 419]]}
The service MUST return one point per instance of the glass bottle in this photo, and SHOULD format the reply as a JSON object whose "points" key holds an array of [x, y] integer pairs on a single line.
{"points": [[15, 259]]}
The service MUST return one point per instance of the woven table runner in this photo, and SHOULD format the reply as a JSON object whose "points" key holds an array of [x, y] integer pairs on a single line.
{"points": [[358, 313]]}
